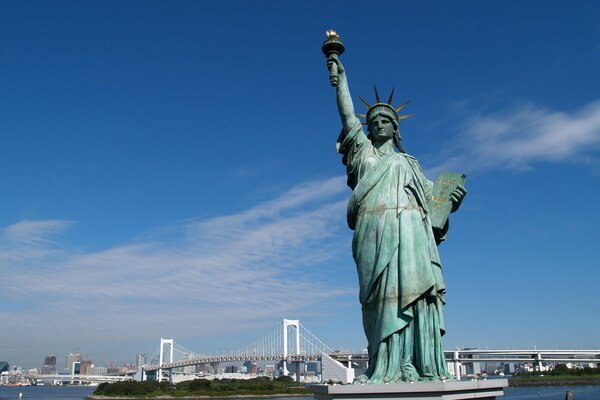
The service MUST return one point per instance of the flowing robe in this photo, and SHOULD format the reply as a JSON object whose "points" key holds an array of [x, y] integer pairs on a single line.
{"points": [[399, 268]]}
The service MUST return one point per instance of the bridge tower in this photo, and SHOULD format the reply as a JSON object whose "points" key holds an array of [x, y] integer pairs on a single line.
{"points": [[164, 342], [286, 324]]}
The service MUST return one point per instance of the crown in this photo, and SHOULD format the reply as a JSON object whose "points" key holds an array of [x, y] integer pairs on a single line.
{"points": [[383, 108]]}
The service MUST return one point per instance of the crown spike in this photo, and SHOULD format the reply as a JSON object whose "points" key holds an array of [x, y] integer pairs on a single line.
{"points": [[361, 115], [376, 94], [391, 97], [364, 102], [405, 116], [401, 106]]}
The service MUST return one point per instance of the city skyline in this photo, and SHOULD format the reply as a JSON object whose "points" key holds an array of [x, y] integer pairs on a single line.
{"points": [[169, 169]]}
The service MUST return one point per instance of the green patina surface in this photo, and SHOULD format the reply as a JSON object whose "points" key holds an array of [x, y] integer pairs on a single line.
{"points": [[394, 244]]}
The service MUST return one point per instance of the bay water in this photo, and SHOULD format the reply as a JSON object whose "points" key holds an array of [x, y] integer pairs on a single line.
{"points": [[79, 392]]}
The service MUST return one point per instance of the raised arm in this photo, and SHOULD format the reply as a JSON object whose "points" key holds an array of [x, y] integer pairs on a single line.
{"points": [[344, 100]]}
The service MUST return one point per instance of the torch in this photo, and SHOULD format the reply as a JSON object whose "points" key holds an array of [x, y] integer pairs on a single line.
{"points": [[333, 47]]}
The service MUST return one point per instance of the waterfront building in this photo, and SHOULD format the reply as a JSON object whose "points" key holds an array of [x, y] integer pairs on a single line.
{"points": [[216, 368], [49, 366], [472, 368], [70, 360], [490, 368], [592, 365], [85, 366], [12, 376], [76, 368], [189, 369], [525, 367], [4, 366], [98, 371], [203, 369], [231, 369], [247, 366], [269, 370], [508, 368]]}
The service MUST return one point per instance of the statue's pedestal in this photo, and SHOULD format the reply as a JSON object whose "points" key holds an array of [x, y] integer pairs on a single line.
{"points": [[482, 389]]}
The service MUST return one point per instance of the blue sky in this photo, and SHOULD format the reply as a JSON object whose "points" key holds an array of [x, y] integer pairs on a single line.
{"points": [[169, 169]]}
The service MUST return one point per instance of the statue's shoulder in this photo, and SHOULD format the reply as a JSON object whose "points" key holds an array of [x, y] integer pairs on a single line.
{"points": [[406, 155], [413, 162]]}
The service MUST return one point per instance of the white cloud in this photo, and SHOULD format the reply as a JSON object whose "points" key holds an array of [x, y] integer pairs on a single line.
{"points": [[27, 242], [517, 139], [207, 277], [29, 232]]}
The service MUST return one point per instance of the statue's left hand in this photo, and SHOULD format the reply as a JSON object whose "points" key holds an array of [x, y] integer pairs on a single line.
{"points": [[457, 197]]}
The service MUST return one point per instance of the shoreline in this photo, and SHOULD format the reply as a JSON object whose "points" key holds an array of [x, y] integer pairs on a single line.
{"points": [[235, 396], [525, 382], [518, 382]]}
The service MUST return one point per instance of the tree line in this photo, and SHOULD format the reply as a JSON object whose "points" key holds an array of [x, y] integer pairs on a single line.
{"points": [[214, 387]]}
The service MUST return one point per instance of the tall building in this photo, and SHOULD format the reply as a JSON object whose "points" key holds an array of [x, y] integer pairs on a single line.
{"points": [[4, 366], [191, 368], [112, 367], [248, 365], [86, 366], [98, 371], [141, 359], [231, 369], [72, 358], [49, 366]]}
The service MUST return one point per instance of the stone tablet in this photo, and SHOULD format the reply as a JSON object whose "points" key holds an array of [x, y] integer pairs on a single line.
{"points": [[441, 204]]}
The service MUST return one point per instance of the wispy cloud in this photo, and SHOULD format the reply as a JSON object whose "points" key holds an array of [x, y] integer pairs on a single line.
{"points": [[29, 232], [518, 138], [28, 242], [205, 277]]}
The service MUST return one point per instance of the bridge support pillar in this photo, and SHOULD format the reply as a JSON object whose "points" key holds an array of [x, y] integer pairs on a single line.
{"points": [[163, 342], [457, 365], [538, 359], [298, 370], [287, 323]]}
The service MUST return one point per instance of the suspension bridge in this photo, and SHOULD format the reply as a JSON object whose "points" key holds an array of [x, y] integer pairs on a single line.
{"points": [[291, 342], [287, 342]]}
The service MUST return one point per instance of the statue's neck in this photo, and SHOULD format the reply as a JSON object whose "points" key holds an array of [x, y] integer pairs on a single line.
{"points": [[386, 147]]}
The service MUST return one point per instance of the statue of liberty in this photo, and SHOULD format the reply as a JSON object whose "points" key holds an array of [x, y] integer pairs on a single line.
{"points": [[394, 244]]}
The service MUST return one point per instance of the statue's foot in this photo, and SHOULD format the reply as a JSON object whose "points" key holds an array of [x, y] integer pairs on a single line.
{"points": [[428, 376], [410, 374], [361, 380]]}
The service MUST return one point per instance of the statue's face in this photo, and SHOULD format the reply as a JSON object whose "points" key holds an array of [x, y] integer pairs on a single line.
{"points": [[381, 129]]}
